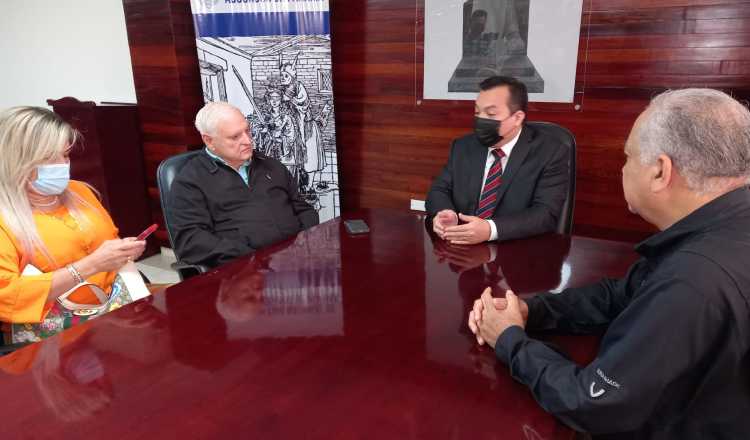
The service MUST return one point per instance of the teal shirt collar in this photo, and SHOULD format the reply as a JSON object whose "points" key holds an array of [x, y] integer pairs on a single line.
{"points": [[242, 171]]}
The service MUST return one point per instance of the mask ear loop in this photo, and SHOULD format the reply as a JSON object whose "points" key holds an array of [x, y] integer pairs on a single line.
{"points": [[84, 309]]}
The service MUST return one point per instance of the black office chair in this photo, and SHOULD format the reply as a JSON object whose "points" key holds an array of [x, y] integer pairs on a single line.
{"points": [[566, 138], [165, 175], [10, 348]]}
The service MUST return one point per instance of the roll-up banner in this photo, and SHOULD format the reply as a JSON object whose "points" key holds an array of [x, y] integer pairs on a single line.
{"points": [[272, 60]]}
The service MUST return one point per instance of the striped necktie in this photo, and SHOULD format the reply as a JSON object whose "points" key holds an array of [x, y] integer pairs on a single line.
{"points": [[488, 200]]}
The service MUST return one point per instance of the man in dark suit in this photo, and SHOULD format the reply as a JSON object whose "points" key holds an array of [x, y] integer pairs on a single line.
{"points": [[228, 201], [504, 181]]}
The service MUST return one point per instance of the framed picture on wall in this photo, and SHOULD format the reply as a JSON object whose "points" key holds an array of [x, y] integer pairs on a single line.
{"points": [[536, 41]]}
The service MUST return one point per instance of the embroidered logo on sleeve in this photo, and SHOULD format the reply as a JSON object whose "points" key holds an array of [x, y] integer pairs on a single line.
{"points": [[594, 392], [597, 393]]}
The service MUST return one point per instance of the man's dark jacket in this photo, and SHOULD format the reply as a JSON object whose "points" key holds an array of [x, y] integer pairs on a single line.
{"points": [[533, 189], [674, 362], [217, 218]]}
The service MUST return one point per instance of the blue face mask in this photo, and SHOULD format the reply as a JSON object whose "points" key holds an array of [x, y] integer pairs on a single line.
{"points": [[52, 180]]}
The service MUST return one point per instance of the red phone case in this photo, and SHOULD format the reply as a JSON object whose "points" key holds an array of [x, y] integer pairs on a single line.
{"points": [[148, 231]]}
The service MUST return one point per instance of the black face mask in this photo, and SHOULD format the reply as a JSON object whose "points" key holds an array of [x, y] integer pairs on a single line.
{"points": [[487, 130]]}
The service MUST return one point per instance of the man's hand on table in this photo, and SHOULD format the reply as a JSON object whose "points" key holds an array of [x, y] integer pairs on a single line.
{"points": [[490, 316], [474, 230], [444, 219]]}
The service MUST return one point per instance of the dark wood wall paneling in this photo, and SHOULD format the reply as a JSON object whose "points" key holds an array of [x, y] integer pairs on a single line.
{"points": [[167, 83], [391, 145]]}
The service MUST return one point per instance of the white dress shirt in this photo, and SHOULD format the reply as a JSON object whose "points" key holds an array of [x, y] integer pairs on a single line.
{"points": [[507, 149]]}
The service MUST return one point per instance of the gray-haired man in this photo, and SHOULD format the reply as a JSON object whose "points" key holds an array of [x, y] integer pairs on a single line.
{"points": [[674, 362], [228, 201]]}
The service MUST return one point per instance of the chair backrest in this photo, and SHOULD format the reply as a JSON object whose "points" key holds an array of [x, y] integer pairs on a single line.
{"points": [[165, 175], [566, 138]]}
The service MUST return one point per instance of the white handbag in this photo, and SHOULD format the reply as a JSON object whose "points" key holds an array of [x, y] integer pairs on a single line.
{"points": [[127, 287]]}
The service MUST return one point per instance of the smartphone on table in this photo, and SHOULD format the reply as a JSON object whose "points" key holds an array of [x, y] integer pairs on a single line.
{"points": [[356, 227]]}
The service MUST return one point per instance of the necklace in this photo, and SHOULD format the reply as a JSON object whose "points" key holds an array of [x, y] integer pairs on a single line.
{"points": [[71, 223], [54, 202]]}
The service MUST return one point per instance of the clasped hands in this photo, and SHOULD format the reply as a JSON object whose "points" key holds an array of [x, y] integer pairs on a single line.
{"points": [[490, 317], [473, 230]]}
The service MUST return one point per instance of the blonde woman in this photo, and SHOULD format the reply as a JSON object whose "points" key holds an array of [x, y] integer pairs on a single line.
{"points": [[49, 222]]}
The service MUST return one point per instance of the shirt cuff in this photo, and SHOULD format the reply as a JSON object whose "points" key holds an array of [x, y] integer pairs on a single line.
{"points": [[508, 343], [493, 230], [30, 304], [493, 252]]}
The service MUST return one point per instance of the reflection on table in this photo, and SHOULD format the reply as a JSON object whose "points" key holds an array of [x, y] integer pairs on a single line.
{"points": [[323, 335]]}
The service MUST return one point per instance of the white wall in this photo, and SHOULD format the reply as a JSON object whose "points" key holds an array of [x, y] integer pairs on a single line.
{"points": [[53, 48]]}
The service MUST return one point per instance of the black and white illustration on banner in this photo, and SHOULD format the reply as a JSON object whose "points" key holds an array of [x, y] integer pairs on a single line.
{"points": [[283, 85], [467, 41]]}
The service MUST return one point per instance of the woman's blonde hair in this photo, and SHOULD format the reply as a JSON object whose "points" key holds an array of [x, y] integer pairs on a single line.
{"points": [[29, 137]]}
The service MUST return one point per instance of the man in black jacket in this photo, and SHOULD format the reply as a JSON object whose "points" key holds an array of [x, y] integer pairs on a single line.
{"points": [[228, 201], [674, 361], [504, 181]]}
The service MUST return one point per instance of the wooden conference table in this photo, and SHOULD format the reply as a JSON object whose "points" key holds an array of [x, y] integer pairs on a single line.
{"points": [[324, 336]]}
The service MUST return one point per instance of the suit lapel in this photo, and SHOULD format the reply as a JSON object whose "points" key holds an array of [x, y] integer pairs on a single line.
{"points": [[517, 157]]}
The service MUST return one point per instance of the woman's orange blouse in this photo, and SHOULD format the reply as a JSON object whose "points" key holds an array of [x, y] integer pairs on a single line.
{"points": [[23, 298]]}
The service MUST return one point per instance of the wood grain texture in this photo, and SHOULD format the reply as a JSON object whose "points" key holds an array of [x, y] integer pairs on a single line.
{"points": [[325, 335], [629, 51], [167, 84], [391, 145]]}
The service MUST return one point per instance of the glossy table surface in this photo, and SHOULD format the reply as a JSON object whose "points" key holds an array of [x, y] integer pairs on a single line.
{"points": [[324, 336]]}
